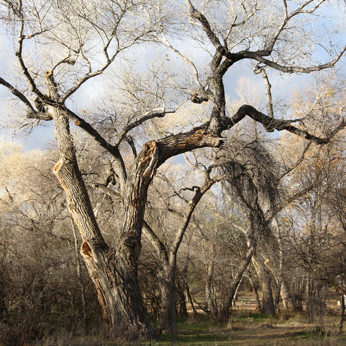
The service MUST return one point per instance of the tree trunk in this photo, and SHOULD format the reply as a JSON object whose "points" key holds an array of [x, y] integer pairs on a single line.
{"points": [[255, 290], [210, 297], [79, 276], [113, 271], [286, 296], [182, 311], [268, 306], [167, 323], [315, 301], [189, 297], [264, 275]]}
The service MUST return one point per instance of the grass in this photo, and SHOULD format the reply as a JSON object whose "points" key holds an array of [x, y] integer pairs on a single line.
{"points": [[252, 329], [245, 328]]}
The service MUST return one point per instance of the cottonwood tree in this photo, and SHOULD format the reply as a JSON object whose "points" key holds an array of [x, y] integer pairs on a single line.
{"points": [[61, 46]]}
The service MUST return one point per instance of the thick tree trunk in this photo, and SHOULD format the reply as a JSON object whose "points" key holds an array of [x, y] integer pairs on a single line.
{"points": [[264, 275], [268, 306], [118, 291], [113, 271]]}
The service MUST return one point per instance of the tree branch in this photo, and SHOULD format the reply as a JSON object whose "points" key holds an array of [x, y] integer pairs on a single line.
{"points": [[144, 118], [206, 27], [155, 241], [262, 70], [192, 206], [271, 124], [17, 93], [21, 37], [258, 56], [113, 150]]}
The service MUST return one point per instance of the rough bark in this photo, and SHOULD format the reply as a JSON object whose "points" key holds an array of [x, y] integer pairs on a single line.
{"points": [[79, 276], [113, 271]]}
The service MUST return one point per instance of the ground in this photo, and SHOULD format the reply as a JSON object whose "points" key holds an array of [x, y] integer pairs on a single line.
{"points": [[246, 328]]}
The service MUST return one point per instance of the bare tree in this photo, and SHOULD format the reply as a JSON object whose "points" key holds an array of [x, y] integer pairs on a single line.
{"points": [[77, 41]]}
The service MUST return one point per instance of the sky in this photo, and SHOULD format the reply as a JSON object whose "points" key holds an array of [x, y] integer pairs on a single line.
{"points": [[238, 78]]}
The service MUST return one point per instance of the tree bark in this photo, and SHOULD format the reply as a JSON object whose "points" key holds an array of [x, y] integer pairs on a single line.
{"points": [[264, 275], [79, 276], [167, 323], [113, 271]]}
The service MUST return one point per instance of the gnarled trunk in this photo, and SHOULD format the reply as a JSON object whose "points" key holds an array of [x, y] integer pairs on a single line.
{"points": [[117, 288], [113, 271]]}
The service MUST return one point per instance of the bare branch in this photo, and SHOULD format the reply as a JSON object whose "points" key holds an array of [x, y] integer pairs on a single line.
{"points": [[181, 56], [271, 124], [113, 150], [268, 86], [270, 45], [192, 205], [19, 51], [155, 241], [206, 27], [258, 56], [297, 163], [148, 116], [17, 93]]}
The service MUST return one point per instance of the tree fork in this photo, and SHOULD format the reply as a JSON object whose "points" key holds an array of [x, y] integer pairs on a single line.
{"points": [[113, 272]]}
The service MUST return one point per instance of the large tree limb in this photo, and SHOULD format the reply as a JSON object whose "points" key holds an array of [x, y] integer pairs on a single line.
{"points": [[17, 93], [202, 136], [271, 124], [258, 56], [206, 27]]}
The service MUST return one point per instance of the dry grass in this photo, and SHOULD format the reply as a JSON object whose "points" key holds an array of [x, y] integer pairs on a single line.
{"points": [[246, 329]]}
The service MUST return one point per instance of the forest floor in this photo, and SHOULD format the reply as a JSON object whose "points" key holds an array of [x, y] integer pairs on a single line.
{"points": [[251, 329], [245, 328]]}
